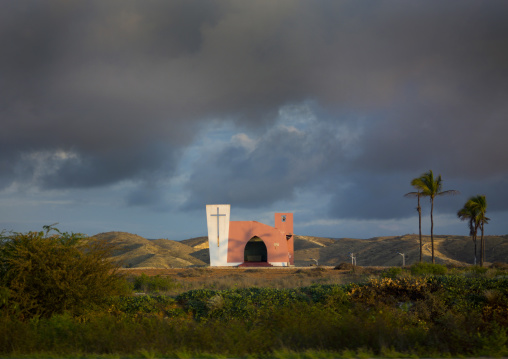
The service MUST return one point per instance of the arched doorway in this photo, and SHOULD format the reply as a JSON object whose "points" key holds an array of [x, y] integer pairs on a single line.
{"points": [[255, 251]]}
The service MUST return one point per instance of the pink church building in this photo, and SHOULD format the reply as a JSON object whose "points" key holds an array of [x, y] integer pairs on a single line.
{"points": [[249, 243]]}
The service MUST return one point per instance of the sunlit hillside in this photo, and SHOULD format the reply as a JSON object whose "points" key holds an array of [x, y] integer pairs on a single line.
{"points": [[133, 251]]}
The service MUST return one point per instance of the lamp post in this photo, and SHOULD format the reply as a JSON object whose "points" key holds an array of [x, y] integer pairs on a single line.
{"points": [[403, 259]]}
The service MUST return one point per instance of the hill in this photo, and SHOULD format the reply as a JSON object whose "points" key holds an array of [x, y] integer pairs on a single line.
{"points": [[384, 251], [133, 251]]}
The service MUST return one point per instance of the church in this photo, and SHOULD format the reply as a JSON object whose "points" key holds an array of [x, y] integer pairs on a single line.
{"points": [[248, 243]]}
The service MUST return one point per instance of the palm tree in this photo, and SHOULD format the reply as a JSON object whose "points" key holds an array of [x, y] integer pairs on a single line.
{"points": [[469, 213], [479, 206], [431, 187], [418, 194]]}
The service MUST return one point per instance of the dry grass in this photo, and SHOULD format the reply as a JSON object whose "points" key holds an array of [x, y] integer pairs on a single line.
{"points": [[135, 251], [383, 251], [227, 278]]}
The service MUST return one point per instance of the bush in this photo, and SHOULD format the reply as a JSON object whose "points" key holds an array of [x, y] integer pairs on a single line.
{"points": [[154, 284], [477, 270], [49, 274], [392, 272], [499, 265], [390, 291], [428, 269], [142, 305], [344, 266]]}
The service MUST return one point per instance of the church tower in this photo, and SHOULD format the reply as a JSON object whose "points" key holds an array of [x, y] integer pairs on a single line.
{"points": [[217, 218]]}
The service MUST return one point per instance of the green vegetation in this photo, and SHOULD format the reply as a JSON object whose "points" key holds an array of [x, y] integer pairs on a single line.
{"points": [[467, 213], [474, 212], [423, 310], [155, 284], [412, 316], [428, 269], [43, 274], [431, 187]]}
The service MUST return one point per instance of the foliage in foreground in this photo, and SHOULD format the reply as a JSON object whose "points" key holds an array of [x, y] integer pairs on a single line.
{"points": [[154, 284], [417, 316], [43, 274], [59, 297]]}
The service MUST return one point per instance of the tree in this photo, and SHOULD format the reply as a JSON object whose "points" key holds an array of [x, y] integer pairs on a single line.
{"points": [[476, 207], [46, 274], [483, 220], [469, 213], [418, 194], [431, 187]]}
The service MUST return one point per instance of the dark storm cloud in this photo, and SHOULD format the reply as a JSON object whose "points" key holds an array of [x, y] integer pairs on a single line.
{"points": [[378, 196], [80, 78], [255, 172], [97, 92]]}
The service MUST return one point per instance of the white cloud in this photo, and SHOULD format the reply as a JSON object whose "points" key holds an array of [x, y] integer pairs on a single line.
{"points": [[243, 140]]}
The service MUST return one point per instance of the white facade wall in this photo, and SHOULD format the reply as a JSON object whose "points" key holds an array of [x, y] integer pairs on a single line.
{"points": [[217, 218]]}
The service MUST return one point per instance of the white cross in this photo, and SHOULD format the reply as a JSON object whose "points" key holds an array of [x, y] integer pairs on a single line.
{"points": [[218, 215]]}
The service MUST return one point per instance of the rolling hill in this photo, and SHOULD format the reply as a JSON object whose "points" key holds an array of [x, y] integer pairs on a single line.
{"points": [[133, 251]]}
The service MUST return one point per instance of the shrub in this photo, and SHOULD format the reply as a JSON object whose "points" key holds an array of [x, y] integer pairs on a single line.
{"points": [[162, 306], [392, 272], [344, 266], [477, 270], [428, 268], [154, 284], [391, 291], [50, 274], [500, 265]]}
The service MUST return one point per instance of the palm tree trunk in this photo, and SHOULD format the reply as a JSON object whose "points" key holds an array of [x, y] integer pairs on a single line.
{"points": [[420, 227], [432, 228], [482, 248], [475, 251]]}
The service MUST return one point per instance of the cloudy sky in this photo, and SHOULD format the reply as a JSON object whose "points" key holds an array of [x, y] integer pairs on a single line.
{"points": [[132, 115]]}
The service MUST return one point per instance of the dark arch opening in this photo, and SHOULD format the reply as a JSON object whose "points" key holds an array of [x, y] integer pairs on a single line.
{"points": [[255, 251]]}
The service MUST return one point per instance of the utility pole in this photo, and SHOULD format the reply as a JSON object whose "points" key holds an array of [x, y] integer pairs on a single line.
{"points": [[353, 258], [403, 259]]}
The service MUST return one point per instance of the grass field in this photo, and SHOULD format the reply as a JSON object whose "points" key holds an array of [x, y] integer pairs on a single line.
{"points": [[186, 279], [419, 311], [62, 296]]}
